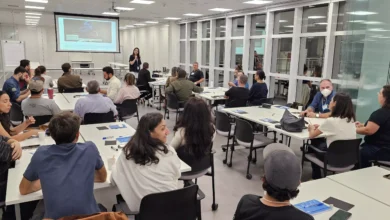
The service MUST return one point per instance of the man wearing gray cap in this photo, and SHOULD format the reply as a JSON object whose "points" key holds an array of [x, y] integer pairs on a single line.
{"points": [[280, 182]]}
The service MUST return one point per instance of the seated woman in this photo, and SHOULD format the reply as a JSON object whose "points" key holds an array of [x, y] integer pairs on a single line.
{"points": [[40, 74], [377, 130], [6, 129], [146, 165], [341, 124], [194, 137], [128, 91], [173, 76], [259, 90]]}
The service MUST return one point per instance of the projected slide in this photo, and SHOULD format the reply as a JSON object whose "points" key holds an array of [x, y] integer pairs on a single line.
{"points": [[86, 34]]}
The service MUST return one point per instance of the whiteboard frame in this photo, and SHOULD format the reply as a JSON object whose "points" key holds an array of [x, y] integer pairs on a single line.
{"points": [[3, 42]]}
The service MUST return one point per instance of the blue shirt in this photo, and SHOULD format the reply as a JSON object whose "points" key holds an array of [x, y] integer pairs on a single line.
{"points": [[11, 87], [94, 103], [67, 173], [320, 104], [236, 83]]}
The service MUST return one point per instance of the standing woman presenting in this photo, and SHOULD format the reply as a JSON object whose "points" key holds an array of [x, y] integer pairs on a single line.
{"points": [[135, 61]]}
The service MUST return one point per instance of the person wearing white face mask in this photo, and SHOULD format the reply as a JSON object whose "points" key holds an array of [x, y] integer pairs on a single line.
{"points": [[319, 108]]}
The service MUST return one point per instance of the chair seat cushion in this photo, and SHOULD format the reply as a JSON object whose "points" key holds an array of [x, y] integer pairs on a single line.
{"points": [[225, 133], [259, 141], [192, 175], [314, 159]]}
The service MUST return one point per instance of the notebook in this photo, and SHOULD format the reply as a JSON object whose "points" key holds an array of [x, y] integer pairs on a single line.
{"points": [[269, 120], [239, 111], [313, 207], [117, 126], [123, 140]]}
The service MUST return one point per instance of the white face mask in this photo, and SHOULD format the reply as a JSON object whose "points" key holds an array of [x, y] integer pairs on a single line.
{"points": [[326, 92]]}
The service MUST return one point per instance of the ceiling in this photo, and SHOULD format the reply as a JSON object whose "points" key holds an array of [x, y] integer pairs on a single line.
{"points": [[12, 11]]}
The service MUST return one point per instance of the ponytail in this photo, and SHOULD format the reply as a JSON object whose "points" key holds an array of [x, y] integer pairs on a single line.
{"points": [[40, 70]]}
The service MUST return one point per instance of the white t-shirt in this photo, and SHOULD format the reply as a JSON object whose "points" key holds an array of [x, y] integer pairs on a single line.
{"points": [[340, 129], [48, 81], [114, 85], [135, 181]]}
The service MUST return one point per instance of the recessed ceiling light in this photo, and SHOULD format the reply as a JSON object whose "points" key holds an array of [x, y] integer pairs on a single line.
{"points": [[122, 28], [220, 9], [373, 22], [257, 2], [110, 13], [30, 19], [34, 7], [172, 18], [322, 23], [151, 22], [32, 16], [38, 1], [362, 13], [377, 29], [356, 21], [283, 21], [140, 24], [144, 2], [316, 17], [129, 26], [31, 24], [289, 26], [124, 8], [33, 13], [192, 14]]}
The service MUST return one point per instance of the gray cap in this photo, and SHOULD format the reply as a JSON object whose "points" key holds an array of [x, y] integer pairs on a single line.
{"points": [[282, 168]]}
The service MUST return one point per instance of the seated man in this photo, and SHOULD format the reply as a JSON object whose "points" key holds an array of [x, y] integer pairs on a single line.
{"points": [[238, 95], [319, 108], [25, 79], [11, 86], [235, 81], [281, 180], [114, 84], [36, 105], [182, 87], [68, 80], [65, 171], [94, 102]]}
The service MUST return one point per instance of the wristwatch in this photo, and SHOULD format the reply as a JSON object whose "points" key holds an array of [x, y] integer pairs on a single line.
{"points": [[317, 115]]}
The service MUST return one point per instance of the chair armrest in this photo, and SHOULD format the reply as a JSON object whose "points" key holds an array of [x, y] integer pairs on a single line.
{"points": [[201, 195], [316, 149]]}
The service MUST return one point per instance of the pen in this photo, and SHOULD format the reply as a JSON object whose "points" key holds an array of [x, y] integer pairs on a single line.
{"points": [[109, 137], [116, 149]]}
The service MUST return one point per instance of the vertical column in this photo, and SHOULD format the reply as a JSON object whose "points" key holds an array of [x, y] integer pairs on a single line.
{"points": [[330, 40], [228, 52], [199, 44], [246, 52], [187, 60], [268, 52], [213, 51]]}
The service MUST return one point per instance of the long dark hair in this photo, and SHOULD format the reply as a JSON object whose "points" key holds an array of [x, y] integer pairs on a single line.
{"points": [[142, 147], [343, 107], [5, 119], [139, 53], [386, 95], [199, 130], [39, 71]]}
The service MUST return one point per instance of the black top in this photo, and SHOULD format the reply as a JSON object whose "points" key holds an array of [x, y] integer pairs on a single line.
{"points": [[137, 64], [381, 138], [251, 208], [258, 92], [238, 96], [196, 76], [144, 78]]}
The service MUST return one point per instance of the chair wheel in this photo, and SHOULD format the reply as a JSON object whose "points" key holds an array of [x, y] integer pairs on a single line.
{"points": [[214, 207], [249, 176], [224, 161], [230, 164], [168, 117], [254, 161], [281, 142], [223, 149]]}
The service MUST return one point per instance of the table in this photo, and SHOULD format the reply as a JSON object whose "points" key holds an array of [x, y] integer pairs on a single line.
{"points": [[61, 101], [365, 207], [160, 82], [213, 94], [369, 182], [73, 97]]}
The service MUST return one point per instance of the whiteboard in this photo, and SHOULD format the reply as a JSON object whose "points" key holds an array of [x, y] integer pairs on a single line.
{"points": [[13, 52]]}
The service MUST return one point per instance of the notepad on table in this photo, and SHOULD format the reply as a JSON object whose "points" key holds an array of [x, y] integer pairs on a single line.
{"points": [[117, 126], [239, 111], [313, 207], [269, 120], [123, 140]]}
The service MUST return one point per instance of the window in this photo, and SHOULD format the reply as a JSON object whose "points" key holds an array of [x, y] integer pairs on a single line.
{"points": [[193, 51], [348, 57], [219, 53], [193, 30], [258, 23], [312, 56], [346, 21], [218, 78], [256, 54], [206, 76], [183, 31], [182, 51], [284, 22], [206, 53], [237, 51], [238, 26], [220, 28], [206, 29], [280, 90], [281, 55], [315, 19], [182, 67]]}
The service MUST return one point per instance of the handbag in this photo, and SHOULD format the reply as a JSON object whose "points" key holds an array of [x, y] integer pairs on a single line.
{"points": [[99, 216], [291, 123]]}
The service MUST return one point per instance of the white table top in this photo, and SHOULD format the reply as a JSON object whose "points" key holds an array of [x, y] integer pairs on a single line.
{"points": [[61, 101], [365, 207], [211, 93], [119, 64], [73, 97], [256, 113], [160, 81], [369, 182]]}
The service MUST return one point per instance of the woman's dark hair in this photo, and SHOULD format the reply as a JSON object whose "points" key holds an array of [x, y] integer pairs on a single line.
{"points": [[130, 79], [174, 71], [343, 107], [239, 67], [199, 130], [386, 95], [142, 147], [5, 119], [261, 74], [40, 70], [139, 53], [279, 194]]}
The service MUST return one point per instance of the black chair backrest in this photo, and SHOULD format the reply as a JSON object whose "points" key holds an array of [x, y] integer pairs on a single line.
{"points": [[73, 90], [128, 107], [263, 101], [244, 131], [196, 164], [236, 103], [16, 113], [343, 153], [172, 101], [178, 204], [40, 120], [222, 121], [96, 118]]}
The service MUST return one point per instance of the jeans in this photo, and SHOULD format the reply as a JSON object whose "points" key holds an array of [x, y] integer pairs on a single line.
{"points": [[370, 152], [320, 144]]}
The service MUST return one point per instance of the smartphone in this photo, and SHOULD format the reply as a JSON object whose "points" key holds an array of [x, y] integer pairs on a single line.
{"points": [[387, 176], [340, 215]]}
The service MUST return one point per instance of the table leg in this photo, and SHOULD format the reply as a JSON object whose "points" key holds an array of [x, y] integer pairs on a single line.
{"points": [[17, 212], [153, 89]]}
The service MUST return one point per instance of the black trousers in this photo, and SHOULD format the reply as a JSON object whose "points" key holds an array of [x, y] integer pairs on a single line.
{"points": [[320, 144]]}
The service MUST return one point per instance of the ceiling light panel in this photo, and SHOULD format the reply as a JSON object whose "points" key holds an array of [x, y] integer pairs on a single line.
{"points": [[38, 1], [220, 9], [27, 16], [172, 18], [362, 13], [257, 2], [151, 22], [34, 7], [139, 24], [124, 8], [33, 13], [192, 15], [316, 17], [144, 2], [110, 13]]}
